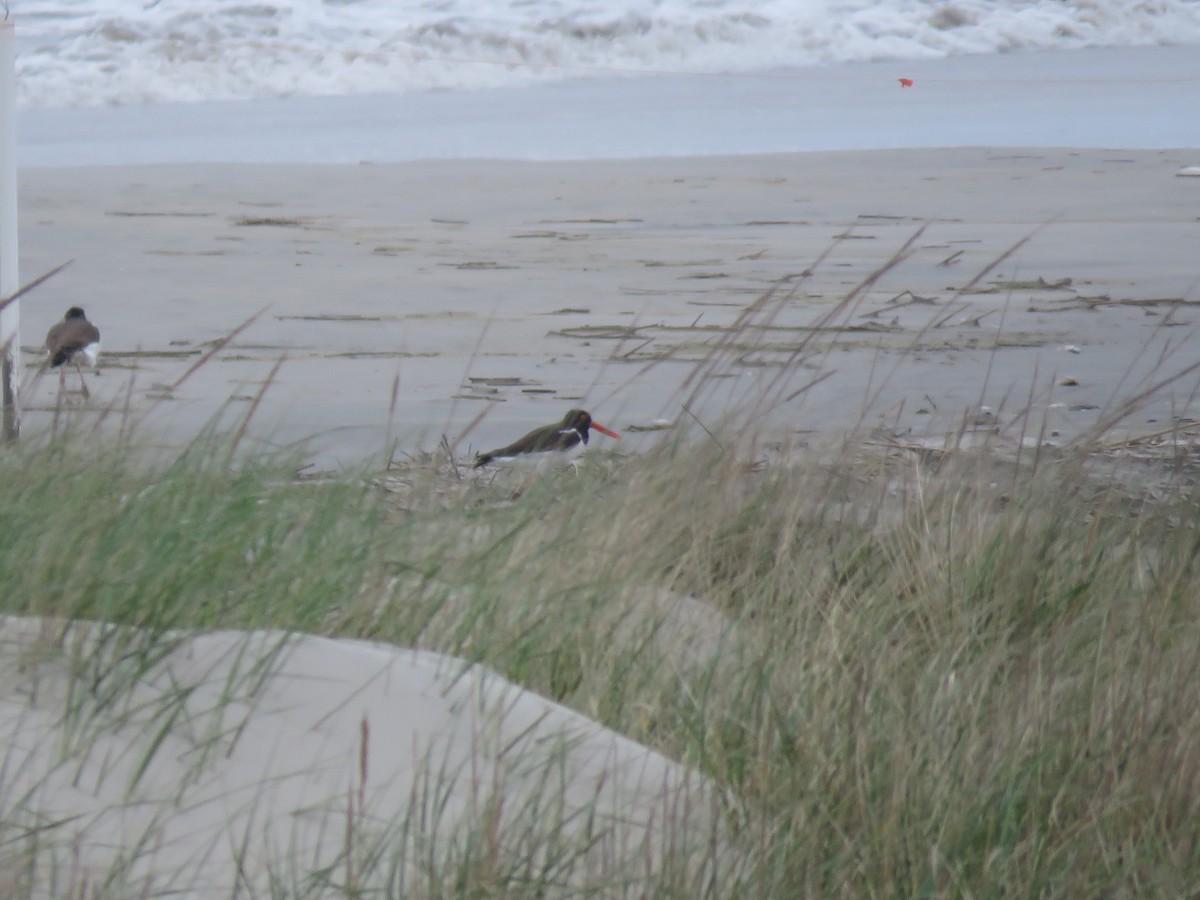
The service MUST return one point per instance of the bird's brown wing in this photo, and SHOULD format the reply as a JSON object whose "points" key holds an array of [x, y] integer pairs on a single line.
{"points": [[66, 338], [548, 437]]}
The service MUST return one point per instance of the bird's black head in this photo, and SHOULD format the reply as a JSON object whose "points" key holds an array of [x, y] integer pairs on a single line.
{"points": [[577, 420], [75, 312]]}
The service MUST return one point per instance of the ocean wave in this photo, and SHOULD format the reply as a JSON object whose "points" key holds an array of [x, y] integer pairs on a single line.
{"points": [[98, 52]]}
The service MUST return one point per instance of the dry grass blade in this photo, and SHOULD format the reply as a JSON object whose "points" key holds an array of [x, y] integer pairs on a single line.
{"points": [[216, 348], [998, 261], [872, 397], [770, 398], [448, 453], [1129, 407], [744, 320], [475, 351], [706, 429], [25, 289], [245, 423], [470, 426], [1176, 429]]}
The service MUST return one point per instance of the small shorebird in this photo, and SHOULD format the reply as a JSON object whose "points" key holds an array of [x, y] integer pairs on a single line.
{"points": [[73, 336], [569, 434]]}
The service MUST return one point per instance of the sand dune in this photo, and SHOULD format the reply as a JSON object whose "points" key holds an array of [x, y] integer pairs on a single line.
{"points": [[201, 765]]}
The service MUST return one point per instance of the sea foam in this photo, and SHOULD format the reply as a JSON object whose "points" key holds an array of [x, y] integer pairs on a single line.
{"points": [[103, 52]]}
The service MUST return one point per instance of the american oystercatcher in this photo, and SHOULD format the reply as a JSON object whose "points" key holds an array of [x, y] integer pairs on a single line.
{"points": [[73, 336], [570, 433]]}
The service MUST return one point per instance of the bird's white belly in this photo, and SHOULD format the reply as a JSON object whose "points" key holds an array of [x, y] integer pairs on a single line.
{"points": [[91, 353]]}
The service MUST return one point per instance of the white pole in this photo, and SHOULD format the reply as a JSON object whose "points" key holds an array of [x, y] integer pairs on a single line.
{"points": [[10, 317]]}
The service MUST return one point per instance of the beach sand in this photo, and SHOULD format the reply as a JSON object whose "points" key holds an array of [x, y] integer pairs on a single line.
{"points": [[520, 289]]}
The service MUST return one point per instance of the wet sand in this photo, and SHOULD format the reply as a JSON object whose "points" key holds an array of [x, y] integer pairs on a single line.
{"points": [[520, 289]]}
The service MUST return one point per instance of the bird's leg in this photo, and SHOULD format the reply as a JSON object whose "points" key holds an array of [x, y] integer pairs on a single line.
{"points": [[82, 383]]}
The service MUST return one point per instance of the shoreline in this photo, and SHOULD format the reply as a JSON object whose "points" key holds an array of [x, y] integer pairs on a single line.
{"points": [[1098, 97]]}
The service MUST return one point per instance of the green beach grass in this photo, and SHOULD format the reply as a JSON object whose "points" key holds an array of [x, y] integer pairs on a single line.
{"points": [[976, 681]]}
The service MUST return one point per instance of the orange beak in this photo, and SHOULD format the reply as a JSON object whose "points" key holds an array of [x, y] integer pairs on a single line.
{"points": [[600, 428]]}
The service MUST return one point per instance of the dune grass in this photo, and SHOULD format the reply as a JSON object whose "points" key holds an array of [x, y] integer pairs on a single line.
{"points": [[976, 681], [908, 674]]}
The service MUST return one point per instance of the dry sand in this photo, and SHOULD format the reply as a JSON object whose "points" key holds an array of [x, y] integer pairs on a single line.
{"points": [[533, 287], [253, 774]]}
